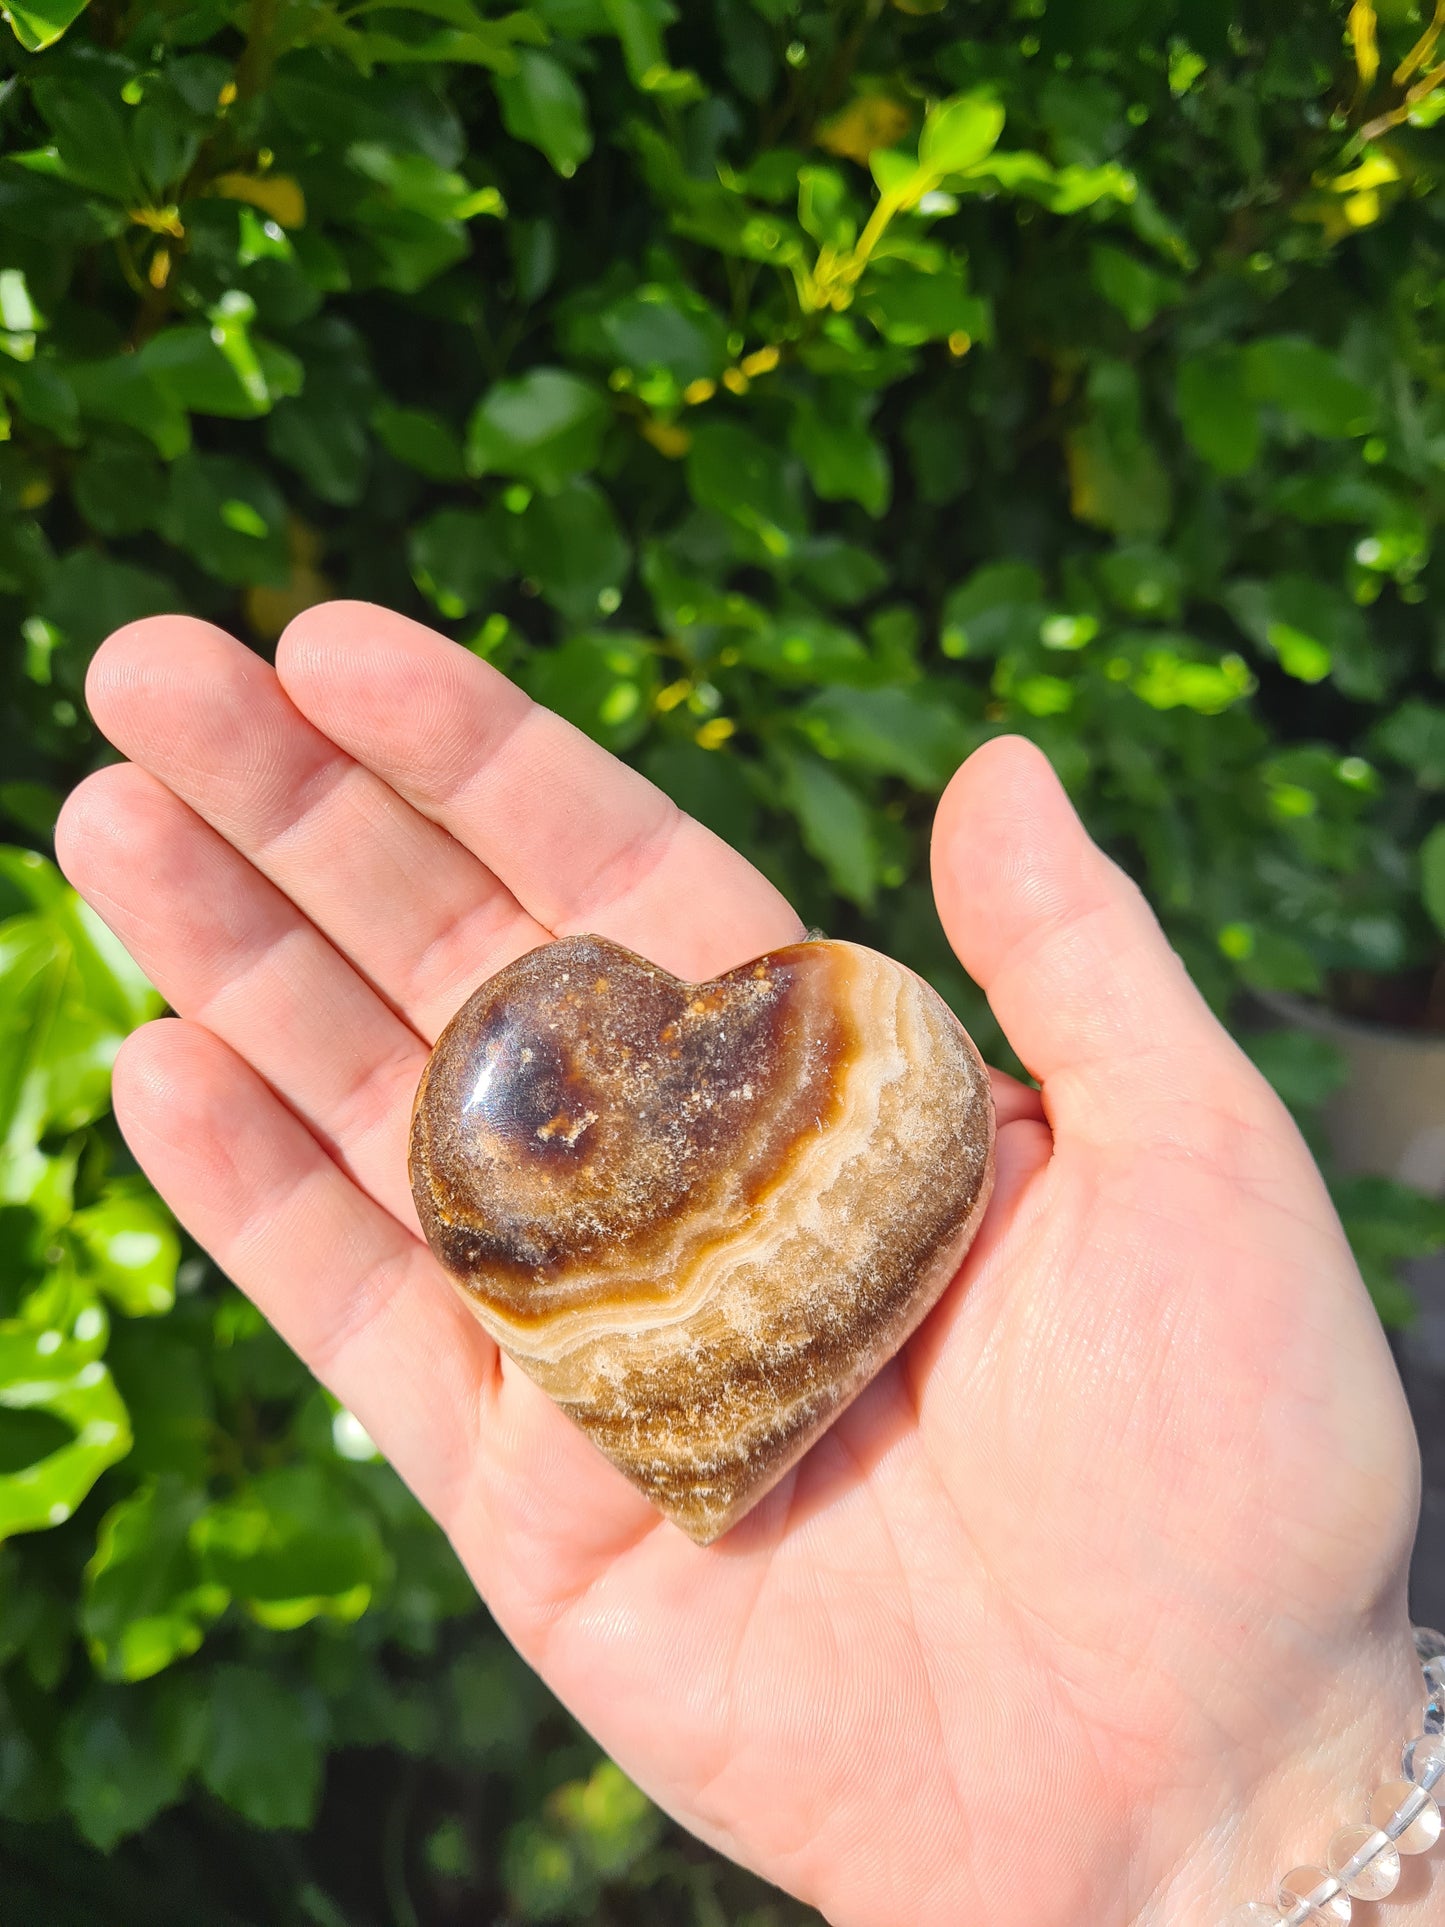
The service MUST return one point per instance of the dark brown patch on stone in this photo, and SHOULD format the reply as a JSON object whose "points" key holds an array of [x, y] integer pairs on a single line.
{"points": [[582, 1098]]}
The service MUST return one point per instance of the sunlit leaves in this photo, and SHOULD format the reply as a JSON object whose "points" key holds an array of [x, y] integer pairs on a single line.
{"points": [[145, 1604], [289, 1550], [55, 1371], [38, 24], [543, 105], [958, 133], [835, 825], [544, 427], [604, 682], [130, 1246]]}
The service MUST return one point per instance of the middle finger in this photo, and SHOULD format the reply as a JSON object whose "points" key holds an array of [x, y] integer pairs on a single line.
{"points": [[417, 914]]}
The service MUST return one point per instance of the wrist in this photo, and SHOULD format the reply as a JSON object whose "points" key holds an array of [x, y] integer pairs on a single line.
{"points": [[1296, 1768]]}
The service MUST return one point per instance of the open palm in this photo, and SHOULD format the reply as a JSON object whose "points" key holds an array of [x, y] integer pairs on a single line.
{"points": [[1058, 1592]]}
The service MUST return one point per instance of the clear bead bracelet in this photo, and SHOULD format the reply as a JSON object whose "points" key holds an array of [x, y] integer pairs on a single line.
{"points": [[1363, 1859]]}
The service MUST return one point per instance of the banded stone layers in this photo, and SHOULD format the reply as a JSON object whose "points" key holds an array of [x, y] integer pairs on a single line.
{"points": [[702, 1216]]}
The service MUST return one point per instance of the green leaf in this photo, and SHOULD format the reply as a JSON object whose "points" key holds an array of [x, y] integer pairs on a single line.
{"points": [[835, 825], [826, 209], [909, 305], [144, 1605], [467, 38], [839, 573], [1387, 1224], [710, 786], [422, 440], [43, 393], [1062, 190], [613, 1821], [90, 595], [43, 1369], [122, 392], [119, 490], [734, 471], [219, 370], [126, 1753], [416, 184], [1304, 1069], [1414, 736], [1311, 629], [166, 140], [1308, 385], [66, 1003], [1432, 876], [89, 139], [1173, 672], [638, 25], [1117, 480], [110, 981], [321, 436], [542, 104], [830, 436], [166, 1382], [659, 329], [262, 1753], [570, 546], [603, 682], [545, 427], [51, 211], [409, 250], [1138, 291], [1219, 414], [293, 1546], [999, 608], [460, 557], [807, 649], [1143, 581], [958, 133], [230, 518], [133, 1247], [911, 733], [38, 24]]}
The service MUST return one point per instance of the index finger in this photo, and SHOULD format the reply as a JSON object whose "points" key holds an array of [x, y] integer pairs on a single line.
{"points": [[583, 842]]}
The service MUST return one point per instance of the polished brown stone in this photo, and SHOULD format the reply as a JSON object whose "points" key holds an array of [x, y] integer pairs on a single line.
{"points": [[702, 1216]]}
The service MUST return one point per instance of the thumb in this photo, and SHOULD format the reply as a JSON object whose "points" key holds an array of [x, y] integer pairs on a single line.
{"points": [[1074, 964]]}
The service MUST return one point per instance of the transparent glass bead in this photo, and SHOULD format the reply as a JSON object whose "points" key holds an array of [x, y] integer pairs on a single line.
{"points": [[1365, 1861], [1299, 1884], [1434, 1671], [1428, 1643], [1255, 1914], [1423, 1760], [1433, 1718], [1408, 1814]]}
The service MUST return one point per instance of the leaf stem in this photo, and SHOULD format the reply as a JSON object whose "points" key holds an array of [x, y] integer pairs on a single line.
{"points": [[1423, 47]]}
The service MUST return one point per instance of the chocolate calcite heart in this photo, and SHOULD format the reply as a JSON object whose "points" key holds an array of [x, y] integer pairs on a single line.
{"points": [[702, 1216]]}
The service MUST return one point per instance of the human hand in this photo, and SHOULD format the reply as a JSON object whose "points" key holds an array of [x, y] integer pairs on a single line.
{"points": [[1092, 1606]]}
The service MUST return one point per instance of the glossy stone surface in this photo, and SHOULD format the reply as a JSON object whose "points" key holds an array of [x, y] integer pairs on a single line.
{"points": [[702, 1217]]}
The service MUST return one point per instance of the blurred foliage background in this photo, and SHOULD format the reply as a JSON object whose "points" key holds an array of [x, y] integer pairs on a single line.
{"points": [[793, 393]]}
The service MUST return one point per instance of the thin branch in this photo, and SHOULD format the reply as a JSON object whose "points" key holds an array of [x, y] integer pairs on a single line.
{"points": [[1423, 47]]}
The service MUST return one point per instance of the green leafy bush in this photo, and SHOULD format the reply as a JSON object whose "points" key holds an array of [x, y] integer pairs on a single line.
{"points": [[793, 393]]}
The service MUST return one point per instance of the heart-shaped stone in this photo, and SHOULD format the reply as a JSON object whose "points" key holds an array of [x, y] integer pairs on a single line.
{"points": [[702, 1216]]}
